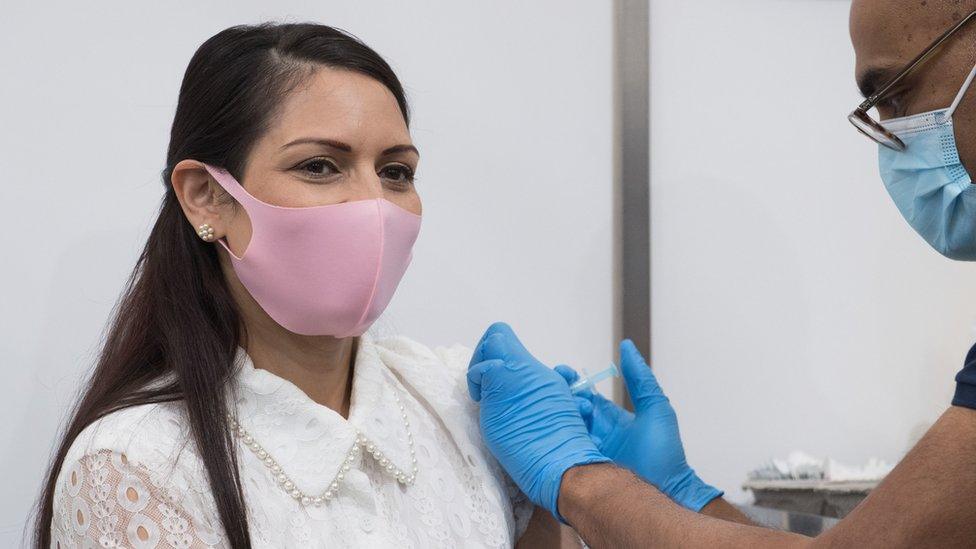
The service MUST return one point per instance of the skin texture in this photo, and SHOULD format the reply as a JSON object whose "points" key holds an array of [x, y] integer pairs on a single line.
{"points": [[611, 507], [928, 500], [337, 105]]}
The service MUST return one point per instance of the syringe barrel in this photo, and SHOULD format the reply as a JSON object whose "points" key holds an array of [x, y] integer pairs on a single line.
{"points": [[585, 382]]}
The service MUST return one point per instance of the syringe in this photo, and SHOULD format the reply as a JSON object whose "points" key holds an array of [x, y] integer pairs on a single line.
{"points": [[586, 381]]}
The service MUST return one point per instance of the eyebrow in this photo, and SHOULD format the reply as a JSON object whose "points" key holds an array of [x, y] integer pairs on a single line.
{"points": [[346, 147], [871, 80]]}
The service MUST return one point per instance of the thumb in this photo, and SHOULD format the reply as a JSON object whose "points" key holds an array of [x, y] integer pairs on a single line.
{"points": [[641, 383], [476, 376], [505, 338], [568, 373], [585, 409], [497, 347], [514, 343]]}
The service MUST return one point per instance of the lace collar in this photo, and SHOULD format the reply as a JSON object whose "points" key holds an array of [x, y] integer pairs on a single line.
{"points": [[311, 441]]}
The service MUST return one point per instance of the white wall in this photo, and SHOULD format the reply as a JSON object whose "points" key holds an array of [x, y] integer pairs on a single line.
{"points": [[512, 116], [792, 307]]}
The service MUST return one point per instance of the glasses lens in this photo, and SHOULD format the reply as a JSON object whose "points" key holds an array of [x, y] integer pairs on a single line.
{"points": [[871, 128]]}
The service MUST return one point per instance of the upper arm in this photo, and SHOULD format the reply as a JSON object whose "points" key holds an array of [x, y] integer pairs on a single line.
{"points": [[527, 525], [106, 500], [929, 499]]}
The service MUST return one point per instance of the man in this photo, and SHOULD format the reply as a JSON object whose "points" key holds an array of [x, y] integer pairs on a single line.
{"points": [[578, 456]]}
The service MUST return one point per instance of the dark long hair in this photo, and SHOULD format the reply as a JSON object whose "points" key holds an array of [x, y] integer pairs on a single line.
{"points": [[176, 316]]}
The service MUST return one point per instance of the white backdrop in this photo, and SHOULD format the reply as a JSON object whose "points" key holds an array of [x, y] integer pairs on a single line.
{"points": [[513, 119], [792, 307]]}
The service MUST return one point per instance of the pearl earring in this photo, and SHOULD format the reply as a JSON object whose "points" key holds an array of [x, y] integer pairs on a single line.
{"points": [[205, 232]]}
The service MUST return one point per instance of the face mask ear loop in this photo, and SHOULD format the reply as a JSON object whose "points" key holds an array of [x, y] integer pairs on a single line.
{"points": [[962, 92]]}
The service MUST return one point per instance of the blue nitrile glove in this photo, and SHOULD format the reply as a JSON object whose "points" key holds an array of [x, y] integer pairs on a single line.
{"points": [[647, 443], [529, 419]]}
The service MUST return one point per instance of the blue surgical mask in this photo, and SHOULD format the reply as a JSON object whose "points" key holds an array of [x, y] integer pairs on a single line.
{"points": [[928, 183]]}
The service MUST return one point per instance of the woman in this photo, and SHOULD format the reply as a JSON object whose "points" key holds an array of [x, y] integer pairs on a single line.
{"points": [[239, 400]]}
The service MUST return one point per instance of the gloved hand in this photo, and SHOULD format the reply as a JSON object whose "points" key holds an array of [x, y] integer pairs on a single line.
{"points": [[647, 443], [529, 419]]}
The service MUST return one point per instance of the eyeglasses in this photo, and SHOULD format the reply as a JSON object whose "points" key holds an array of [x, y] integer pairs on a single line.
{"points": [[871, 127]]}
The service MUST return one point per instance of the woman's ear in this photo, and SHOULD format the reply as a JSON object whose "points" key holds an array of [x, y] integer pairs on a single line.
{"points": [[197, 193]]}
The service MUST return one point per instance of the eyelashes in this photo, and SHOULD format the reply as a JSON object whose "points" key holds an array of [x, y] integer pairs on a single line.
{"points": [[325, 164], [406, 171], [403, 175]]}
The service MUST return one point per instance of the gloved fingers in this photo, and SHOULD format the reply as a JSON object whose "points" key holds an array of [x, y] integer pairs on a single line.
{"points": [[497, 347], [586, 412], [568, 373], [500, 376], [476, 375], [585, 409], [607, 410], [596, 404], [513, 346], [479, 348], [571, 376], [640, 380]]}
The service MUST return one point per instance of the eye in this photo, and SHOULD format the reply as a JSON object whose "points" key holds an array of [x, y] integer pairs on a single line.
{"points": [[317, 167], [400, 174], [892, 105]]}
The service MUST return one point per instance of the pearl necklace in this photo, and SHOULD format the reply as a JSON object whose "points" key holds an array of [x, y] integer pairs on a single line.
{"points": [[361, 443]]}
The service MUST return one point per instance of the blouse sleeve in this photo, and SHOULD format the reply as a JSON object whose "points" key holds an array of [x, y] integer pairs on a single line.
{"points": [[103, 500], [457, 357], [522, 508]]}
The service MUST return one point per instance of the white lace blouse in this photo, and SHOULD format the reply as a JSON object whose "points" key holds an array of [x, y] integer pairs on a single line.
{"points": [[134, 478]]}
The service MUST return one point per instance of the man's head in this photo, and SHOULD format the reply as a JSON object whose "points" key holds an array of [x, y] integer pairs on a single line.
{"points": [[888, 34]]}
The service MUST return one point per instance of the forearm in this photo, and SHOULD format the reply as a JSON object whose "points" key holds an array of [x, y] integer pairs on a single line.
{"points": [[610, 507], [545, 532], [723, 510]]}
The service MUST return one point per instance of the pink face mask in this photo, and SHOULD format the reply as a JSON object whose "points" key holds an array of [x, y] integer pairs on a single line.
{"points": [[322, 270]]}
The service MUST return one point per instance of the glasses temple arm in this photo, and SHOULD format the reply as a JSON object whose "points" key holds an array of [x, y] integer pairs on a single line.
{"points": [[871, 101]]}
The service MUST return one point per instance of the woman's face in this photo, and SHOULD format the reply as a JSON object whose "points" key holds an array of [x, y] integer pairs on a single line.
{"points": [[339, 137]]}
